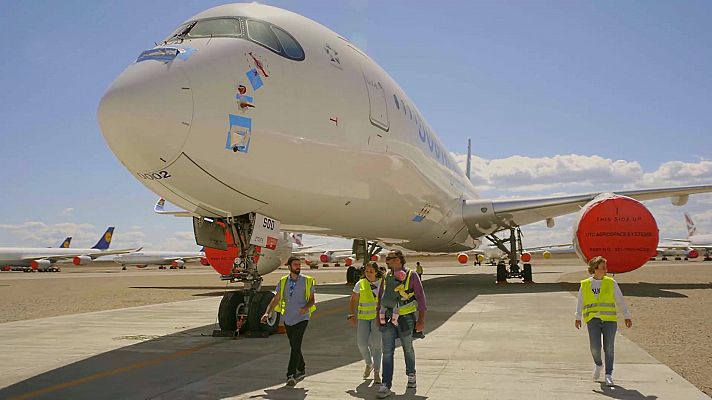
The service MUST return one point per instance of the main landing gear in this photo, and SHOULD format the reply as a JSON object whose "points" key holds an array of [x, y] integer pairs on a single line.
{"points": [[364, 251], [240, 310], [515, 248]]}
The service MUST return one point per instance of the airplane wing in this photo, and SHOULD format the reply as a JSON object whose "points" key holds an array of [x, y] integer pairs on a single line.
{"points": [[159, 209], [678, 240], [67, 256], [484, 217]]}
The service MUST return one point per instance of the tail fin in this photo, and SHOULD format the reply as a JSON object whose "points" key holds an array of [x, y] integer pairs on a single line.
{"points": [[691, 229], [65, 244], [105, 239], [297, 238]]}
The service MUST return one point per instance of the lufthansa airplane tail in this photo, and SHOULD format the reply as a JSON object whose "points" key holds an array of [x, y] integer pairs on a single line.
{"points": [[691, 229], [105, 240], [65, 244]]}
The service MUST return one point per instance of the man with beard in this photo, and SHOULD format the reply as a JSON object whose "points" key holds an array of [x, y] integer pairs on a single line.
{"points": [[294, 299]]}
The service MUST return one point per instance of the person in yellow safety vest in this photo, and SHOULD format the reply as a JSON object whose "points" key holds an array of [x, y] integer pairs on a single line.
{"points": [[368, 336], [294, 299], [597, 300], [419, 270], [388, 299]]}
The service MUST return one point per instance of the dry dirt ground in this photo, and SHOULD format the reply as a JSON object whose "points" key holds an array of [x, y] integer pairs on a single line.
{"points": [[671, 302]]}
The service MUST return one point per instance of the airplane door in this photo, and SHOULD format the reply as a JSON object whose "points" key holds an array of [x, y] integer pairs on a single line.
{"points": [[378, 112]]}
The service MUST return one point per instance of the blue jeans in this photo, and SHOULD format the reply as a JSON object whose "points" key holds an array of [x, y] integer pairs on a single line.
{"points": [[389, 333], [596, 328], [368, 339]]}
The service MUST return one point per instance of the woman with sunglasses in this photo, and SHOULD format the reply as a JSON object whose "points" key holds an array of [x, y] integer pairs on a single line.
{"points": [[368, 336], [597, 300]]}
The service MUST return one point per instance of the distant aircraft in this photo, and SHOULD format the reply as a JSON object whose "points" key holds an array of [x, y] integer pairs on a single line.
{"points": [[174, 259], [691, 247], [64, 245], [213, 117], [44, 259]]}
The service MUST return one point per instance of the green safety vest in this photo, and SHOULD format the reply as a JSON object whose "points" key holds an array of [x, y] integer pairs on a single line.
{"points": [[410, 306], [604, 305], [366, 300], [283, 303]]}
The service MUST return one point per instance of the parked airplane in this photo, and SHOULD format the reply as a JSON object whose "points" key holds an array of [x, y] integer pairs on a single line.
{"points": [[691, 247], [213, 117], [44, 259], [64, 245], [174, 259]]}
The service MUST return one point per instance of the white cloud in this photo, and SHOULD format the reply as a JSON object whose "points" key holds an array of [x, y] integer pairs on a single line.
{"points": [[66, 212], [34, 233]]}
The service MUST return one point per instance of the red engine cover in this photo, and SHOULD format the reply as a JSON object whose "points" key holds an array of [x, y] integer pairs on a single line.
{"points": [[693, 254], [462, 258], [204, 261], [618, 228], [526, 257], [324, 258]]}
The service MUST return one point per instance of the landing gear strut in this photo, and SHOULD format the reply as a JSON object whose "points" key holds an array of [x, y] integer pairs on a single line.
{"points": [[240, 310], [513, 252], [364, 250]]}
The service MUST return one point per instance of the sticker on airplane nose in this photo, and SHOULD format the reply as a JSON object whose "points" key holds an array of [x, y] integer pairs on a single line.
{"points": [[240, 134], [254, 77]]}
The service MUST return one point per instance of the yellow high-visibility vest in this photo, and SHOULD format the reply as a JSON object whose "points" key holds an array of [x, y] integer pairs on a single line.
{"points": [[604, 305], [409, 307], [366, 301], [283, 303]]}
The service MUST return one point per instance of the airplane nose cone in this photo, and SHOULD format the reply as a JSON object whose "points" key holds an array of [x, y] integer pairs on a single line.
{"points": [[146, 115]]}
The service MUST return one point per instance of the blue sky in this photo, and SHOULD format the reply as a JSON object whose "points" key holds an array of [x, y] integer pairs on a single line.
{"points": [[589, 95]]}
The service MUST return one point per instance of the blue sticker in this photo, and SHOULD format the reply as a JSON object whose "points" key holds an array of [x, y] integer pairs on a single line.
{"points": [[240, 134], [167, 54], [418, 218], [186, 53], [242, 97], [255, 78]]}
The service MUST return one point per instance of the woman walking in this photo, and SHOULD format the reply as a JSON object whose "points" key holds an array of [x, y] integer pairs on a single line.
{"points": [[368, 336], [597, 300]]}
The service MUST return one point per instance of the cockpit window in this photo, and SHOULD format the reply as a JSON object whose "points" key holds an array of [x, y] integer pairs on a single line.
{"points": [[215, 27], [291, 48], [260, 33]]}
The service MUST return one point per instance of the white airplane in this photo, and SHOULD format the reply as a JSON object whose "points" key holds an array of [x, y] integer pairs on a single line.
{"points": [[64, 245], [173, 259], [44, 258], [215, 116], [692, 246]]}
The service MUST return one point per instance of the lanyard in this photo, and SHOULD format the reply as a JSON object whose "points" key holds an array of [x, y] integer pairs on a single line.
{"points": [[292, 285]]}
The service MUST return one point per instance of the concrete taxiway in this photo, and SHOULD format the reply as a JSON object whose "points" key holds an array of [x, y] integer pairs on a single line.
{"points": [[483, 341]]}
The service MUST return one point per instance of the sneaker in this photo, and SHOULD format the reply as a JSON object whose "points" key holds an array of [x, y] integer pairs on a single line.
{"points": [[597, 372], [300, 375], [384, 391], [367, 371], [411, 381], [291, 381], [376, 376], [609, 380]]}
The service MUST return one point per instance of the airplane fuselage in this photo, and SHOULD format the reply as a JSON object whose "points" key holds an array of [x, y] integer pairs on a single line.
{"points": [[155, 257], [221, 129], [23, 256]]}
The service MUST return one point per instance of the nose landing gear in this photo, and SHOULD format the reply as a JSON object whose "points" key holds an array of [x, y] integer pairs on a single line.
{"points": [[240, 310]]}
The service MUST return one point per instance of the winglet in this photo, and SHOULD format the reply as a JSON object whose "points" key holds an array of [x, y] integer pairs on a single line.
{"points": [[159, 209]]}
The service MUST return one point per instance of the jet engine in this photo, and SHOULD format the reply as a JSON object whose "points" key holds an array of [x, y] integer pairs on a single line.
{"points": [[81, 260], [618, 228], [693, 254], [463, 258], [325, 258], [204, 261], [40, 264], [349, 261], [546, 255], [526, 257], [177, 263]]}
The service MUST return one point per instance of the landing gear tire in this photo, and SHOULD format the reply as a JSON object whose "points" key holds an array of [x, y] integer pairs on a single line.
{"points": [[258, 306], [501, 272], [527, 273], [664, 258], [232, 304], [350, 274]]}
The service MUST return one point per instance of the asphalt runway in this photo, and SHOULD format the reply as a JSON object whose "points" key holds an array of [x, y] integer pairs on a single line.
{"points": [[99, 332]]}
